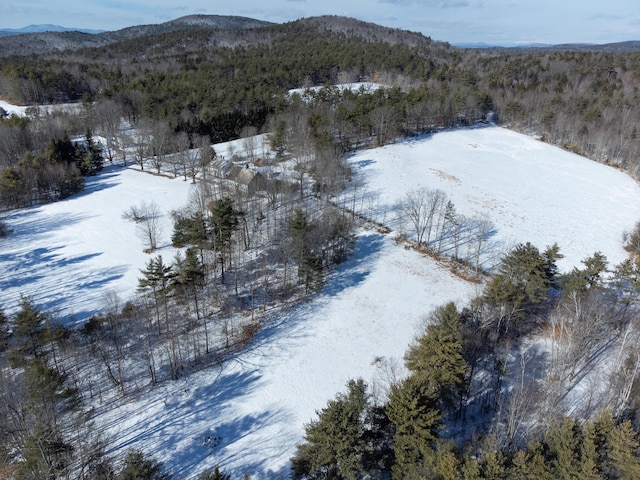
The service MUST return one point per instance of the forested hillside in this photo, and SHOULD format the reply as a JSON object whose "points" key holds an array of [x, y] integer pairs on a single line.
{"points": [[216, 81], [266, 226]]}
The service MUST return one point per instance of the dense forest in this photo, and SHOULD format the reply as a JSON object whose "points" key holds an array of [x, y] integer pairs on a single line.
{"points": [[160, 102]]}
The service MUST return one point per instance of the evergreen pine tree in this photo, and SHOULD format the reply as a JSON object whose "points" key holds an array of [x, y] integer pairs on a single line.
{"points": [[493, 466], [189, 271], [413, 410], [562, 448], [224, 221], [469, 468], [586, 279], [589, 454], [139, 467], [4, 331], [624, 452], [189, 230], [309, 264], [45, 451], [436, 358], [521, 285], [519, 468], [443, 463], [157, 283], [334, 444], [93, 153], [278, 139], [530, 270], [32, 332], [535, 466], [214, 474]]}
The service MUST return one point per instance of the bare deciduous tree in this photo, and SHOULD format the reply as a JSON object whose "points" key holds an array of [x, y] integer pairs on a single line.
{"points": [[150, 228], [385, 122], [141, 142], [249, 141], [108, 115], [481, 228], [199, 159], [160, 143], [147, 217], [180, 160], [122, 143], [421, 208]]}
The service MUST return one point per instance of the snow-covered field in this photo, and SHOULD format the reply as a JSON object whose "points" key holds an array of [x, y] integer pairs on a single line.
{"points": [[68, 255], [21, 110], [249, 414], [530, 190], [13, 109], [365, 87]]}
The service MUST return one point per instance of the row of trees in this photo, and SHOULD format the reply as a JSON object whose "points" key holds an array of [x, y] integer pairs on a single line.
{"points": [[51, 174], [437, 227], [583, 100]]}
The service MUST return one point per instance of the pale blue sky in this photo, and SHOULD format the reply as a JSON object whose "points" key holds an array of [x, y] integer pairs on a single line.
{"points": [[455, 21]]}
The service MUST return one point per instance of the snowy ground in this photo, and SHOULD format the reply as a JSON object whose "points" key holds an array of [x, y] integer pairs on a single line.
{"points": [[13, 109], [21, 110], [530, 190], [257, 403], [67, 255], [248, 415], [365, 87]]}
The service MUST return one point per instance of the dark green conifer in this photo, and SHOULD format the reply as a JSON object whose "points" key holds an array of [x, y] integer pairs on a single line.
{"points": [[335, 444], [139, 467]]}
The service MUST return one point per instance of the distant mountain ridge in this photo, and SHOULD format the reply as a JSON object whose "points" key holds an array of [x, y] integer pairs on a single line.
{"points": [[42, 39], [53, 38], [618, 47], [5, 32]]}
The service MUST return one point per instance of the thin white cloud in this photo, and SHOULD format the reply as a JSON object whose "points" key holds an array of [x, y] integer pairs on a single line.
{"points": [[433, 3]]}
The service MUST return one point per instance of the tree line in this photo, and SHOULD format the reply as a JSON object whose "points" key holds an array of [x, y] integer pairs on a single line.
{"points": [[582, 101], [50, 174], [478, 399]]}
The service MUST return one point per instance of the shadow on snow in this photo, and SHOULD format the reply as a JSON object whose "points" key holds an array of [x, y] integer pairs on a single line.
{"points": [[203, 427]]}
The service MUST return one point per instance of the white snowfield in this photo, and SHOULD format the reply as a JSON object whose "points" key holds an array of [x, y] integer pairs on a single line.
{"points": [[365, 87], [22, 110], [68, 255], [530, 190], [248, 415], [11, 109]]}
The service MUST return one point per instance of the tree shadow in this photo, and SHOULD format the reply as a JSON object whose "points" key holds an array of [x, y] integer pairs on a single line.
{"points": [[349, 274], [187, 423], [355, 269], [30, 223], [107, 178], [25, 268], [363, 163], [44, 275], [51, 276], [163, 418]]}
